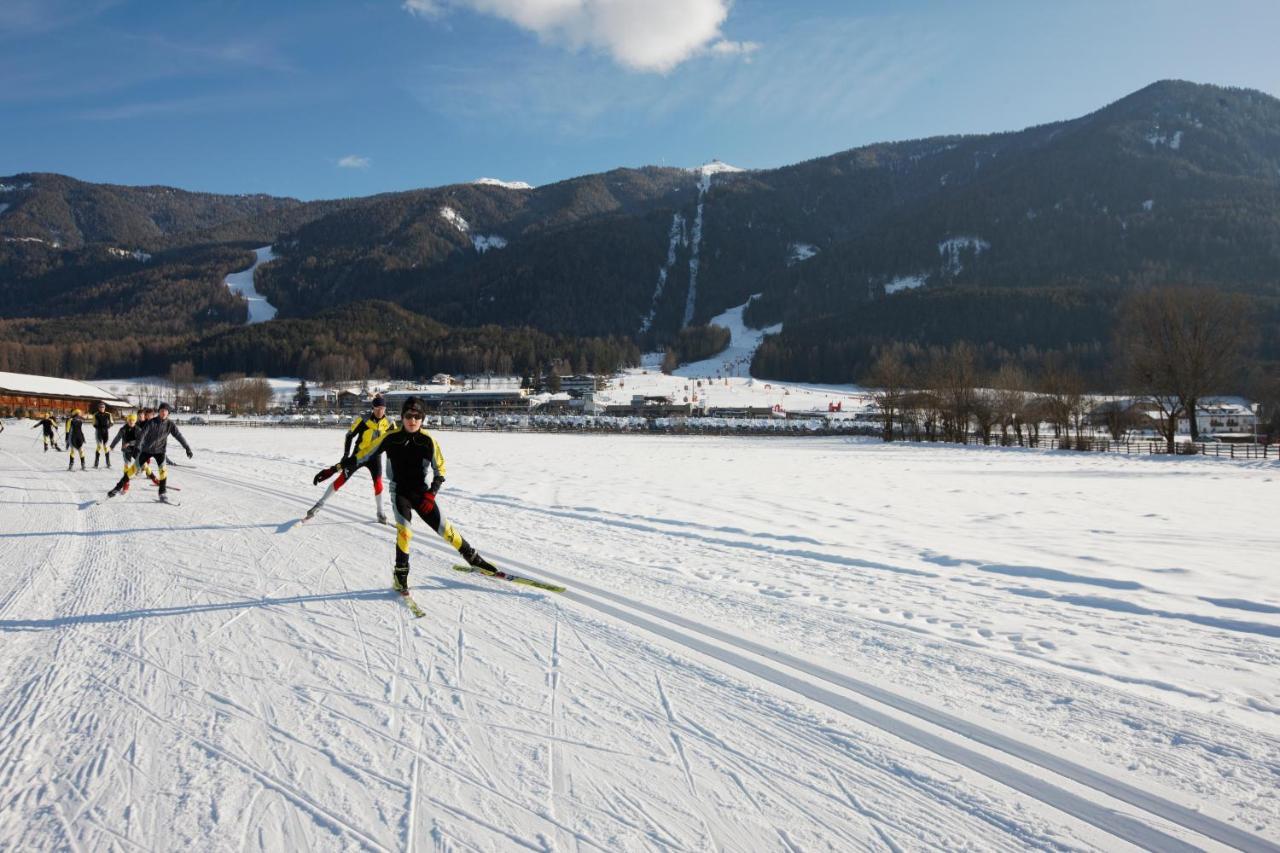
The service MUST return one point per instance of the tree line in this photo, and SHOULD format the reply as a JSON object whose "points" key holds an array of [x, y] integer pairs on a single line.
{"points": [[1176, 347]]}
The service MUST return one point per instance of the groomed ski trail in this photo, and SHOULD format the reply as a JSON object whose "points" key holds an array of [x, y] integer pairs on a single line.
{"points": [[299, 706]]}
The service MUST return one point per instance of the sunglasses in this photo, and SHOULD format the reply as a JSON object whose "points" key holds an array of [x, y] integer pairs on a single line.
{"points": [[411, 416]]}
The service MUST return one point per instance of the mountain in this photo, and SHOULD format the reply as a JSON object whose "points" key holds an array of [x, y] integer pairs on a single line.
{"points": [[1020, 242]]}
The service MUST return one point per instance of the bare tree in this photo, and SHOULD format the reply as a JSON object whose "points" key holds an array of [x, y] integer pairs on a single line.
{"points": [[1185, 343], [892, 379], [954, 379], [1064, 397], [1009, 386]]}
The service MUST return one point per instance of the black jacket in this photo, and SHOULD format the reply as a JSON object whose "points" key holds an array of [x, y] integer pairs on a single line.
{"points": [[410, 456], [127, 437], [75, 431], [154, 437]]}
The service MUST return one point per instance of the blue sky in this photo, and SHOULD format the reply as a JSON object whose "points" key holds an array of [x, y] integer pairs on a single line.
{"points": [[330, 98]]}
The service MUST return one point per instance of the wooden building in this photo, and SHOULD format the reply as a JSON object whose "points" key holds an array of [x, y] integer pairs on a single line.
{"points": [[39, 394]]}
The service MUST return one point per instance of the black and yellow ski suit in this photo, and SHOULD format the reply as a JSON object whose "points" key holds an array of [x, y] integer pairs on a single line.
{"points": [[410, 457], [365, 431], [75, 439], [102, 422], [49, 425]]}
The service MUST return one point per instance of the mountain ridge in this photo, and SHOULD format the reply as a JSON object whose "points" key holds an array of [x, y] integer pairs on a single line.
{"points": [[1174, 182]]}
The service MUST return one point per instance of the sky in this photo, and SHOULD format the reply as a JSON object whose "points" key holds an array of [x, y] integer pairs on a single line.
{"points": [[337, 98]]}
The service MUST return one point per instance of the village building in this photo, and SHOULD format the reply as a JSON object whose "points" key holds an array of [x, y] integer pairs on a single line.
{"points": [[29, 394]]}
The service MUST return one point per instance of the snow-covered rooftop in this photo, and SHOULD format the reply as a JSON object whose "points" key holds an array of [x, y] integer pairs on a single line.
{"points": [[53, 386]]}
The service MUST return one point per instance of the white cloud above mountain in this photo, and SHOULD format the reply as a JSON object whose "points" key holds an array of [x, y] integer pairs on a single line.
{"points": [[354, 161], [642, 35]]}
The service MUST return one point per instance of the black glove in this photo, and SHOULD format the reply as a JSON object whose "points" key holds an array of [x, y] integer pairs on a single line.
{"points": [[436, 483], [189, 453]]}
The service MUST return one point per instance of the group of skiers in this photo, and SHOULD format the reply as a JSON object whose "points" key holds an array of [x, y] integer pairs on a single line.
{"points": [[412, 454], [143, 439]]}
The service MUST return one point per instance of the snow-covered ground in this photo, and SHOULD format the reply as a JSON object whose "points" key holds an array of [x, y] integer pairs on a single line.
{"points": [[241, 283], [768, 644]]}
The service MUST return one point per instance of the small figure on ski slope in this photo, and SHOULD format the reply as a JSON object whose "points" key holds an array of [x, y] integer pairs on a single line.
{"points": [[127, 438], [411, 452], [364, 432], [102, 431], [49, 425], [153, 443], [75, 439]]}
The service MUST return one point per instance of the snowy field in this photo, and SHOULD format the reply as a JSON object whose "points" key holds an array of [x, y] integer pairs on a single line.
{"points": [[768, 644]]}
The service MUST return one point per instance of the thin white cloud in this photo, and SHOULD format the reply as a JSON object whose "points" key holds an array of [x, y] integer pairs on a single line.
{"points": [[724, 47], [423, 8], [642, 35], [354, 161]]}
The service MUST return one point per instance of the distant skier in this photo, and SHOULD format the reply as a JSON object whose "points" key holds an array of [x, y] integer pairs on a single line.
{"points": [[411, 452], [127, 438], [75, 439], [49, 425], [365, 431], [153, 441], [102, 431]]}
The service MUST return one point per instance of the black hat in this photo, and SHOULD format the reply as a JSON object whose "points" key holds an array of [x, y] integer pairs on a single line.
{"points": [[162, 406], [379, 401], [411, 405]]}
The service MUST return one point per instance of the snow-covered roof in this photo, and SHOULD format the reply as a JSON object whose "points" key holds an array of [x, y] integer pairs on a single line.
{"points": [[53, 386]]}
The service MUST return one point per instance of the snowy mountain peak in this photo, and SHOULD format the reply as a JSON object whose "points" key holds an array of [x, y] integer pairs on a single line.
{"points": [[715, 167], [507, 185]]}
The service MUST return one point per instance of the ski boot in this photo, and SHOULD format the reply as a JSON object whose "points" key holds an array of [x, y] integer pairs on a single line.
{"points": [[97, 457], [311, 513], [71, 463], [108, 460], [400, 579], [82, 468], [474, 559], [382, 518]]}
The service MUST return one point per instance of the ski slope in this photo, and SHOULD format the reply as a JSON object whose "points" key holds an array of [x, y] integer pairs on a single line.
{"points": [[767, 644]]}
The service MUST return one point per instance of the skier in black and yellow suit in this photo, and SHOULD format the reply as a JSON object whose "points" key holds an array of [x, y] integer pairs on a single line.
{"points": [[75, 439], [49, 425], [127, 437], [102, 432], [365, 431], [411, 453]]}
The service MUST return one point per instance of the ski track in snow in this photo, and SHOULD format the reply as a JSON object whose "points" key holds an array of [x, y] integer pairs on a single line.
{"points": [[197, 677]]}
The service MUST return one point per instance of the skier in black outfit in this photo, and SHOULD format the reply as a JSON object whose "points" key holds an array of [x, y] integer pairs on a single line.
{"points": [[49, 425], [411, 453], [102, 431], [153, 444], [75, 439], [127, 438]]}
